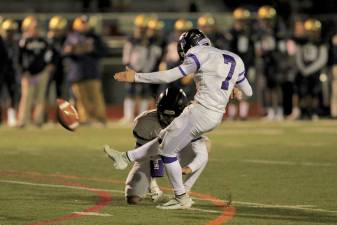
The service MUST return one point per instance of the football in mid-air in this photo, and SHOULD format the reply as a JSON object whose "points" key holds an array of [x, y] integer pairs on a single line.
{"points": [[67, 115]]}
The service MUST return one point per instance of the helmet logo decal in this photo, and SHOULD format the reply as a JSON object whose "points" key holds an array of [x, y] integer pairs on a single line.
{"points": [[169, 112]]}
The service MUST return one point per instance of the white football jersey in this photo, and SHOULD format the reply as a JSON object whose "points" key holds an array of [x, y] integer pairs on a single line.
{"points": [[217, 73]]}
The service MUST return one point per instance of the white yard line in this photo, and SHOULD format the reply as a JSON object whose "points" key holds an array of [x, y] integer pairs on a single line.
{"points": [[290, 163], [310, 208], [57, 186], [205, 210], [298, 207], [84, 188]]}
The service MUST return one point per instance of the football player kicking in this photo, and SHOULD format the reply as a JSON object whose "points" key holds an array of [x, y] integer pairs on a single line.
{"points": [[216, 72], [193, 158]]}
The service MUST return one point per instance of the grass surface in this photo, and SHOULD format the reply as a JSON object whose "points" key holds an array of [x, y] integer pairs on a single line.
{"points": [[277, 173]]}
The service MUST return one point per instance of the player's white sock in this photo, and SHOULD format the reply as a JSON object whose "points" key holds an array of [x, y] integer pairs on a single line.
{"points": [[295, 114], [141, 151], [129, 109], [231, 111], [143, 106], [11, 117], [174, 173], [279, 114], [270, 114], [244, 109]]}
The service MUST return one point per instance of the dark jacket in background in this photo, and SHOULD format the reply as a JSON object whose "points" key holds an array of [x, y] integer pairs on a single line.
{"points": [[84, 66], [242, 43], [4, 59], [35, 54], [58, 73]]}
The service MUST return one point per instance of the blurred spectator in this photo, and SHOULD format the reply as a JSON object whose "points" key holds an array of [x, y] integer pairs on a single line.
{"points": [[171, 57], [135, 56], [193, 7], [334, 77], [35, 62], [311, 58], [241, 42], [155, 37], [299, 35], [207, 24], [10, 71], [286, 68], [3, 56], [56, 35], [84, 49], [267, 53]]}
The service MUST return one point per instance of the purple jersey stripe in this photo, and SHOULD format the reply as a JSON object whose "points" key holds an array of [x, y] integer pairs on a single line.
{"points": [[242, 73], [182, 71], [168, 160], [238, 82], [195, 60]]}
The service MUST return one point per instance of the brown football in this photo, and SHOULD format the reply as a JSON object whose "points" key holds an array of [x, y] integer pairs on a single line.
{"points": [[67, 115]]}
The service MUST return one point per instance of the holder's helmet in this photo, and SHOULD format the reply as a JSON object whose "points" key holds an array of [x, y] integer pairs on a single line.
{"points": [[170, 105]]}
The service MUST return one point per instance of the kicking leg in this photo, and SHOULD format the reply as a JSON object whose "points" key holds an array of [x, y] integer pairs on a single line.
{"points": [[122, 159]]}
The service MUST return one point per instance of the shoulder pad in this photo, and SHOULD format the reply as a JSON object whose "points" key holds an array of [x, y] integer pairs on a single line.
{"points": [[146, 127]]}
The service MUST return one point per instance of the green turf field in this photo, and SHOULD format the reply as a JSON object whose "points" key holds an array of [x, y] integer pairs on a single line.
{"points": [[276, 173]]}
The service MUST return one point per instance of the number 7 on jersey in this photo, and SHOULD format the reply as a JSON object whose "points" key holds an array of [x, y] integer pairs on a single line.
{"points": [[231, 61]]}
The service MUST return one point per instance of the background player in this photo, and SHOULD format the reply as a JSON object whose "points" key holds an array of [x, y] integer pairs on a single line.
{"points": [[35, 60], [311, 59], [241, 42], [193, 158], [135, 53], [216, 72], [9, 76]]}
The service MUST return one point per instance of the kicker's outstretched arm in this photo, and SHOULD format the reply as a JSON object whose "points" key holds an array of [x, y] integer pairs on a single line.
{"points": [[189, 66]]}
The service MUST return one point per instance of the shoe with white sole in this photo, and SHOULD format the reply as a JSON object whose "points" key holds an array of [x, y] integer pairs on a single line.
{"points": [[119, 158], [183, 202]]}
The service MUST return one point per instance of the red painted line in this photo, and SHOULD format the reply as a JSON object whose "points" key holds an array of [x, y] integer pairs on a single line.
{"points": [[227, 214], [56, 175], [104, 200], [228, 211]]}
